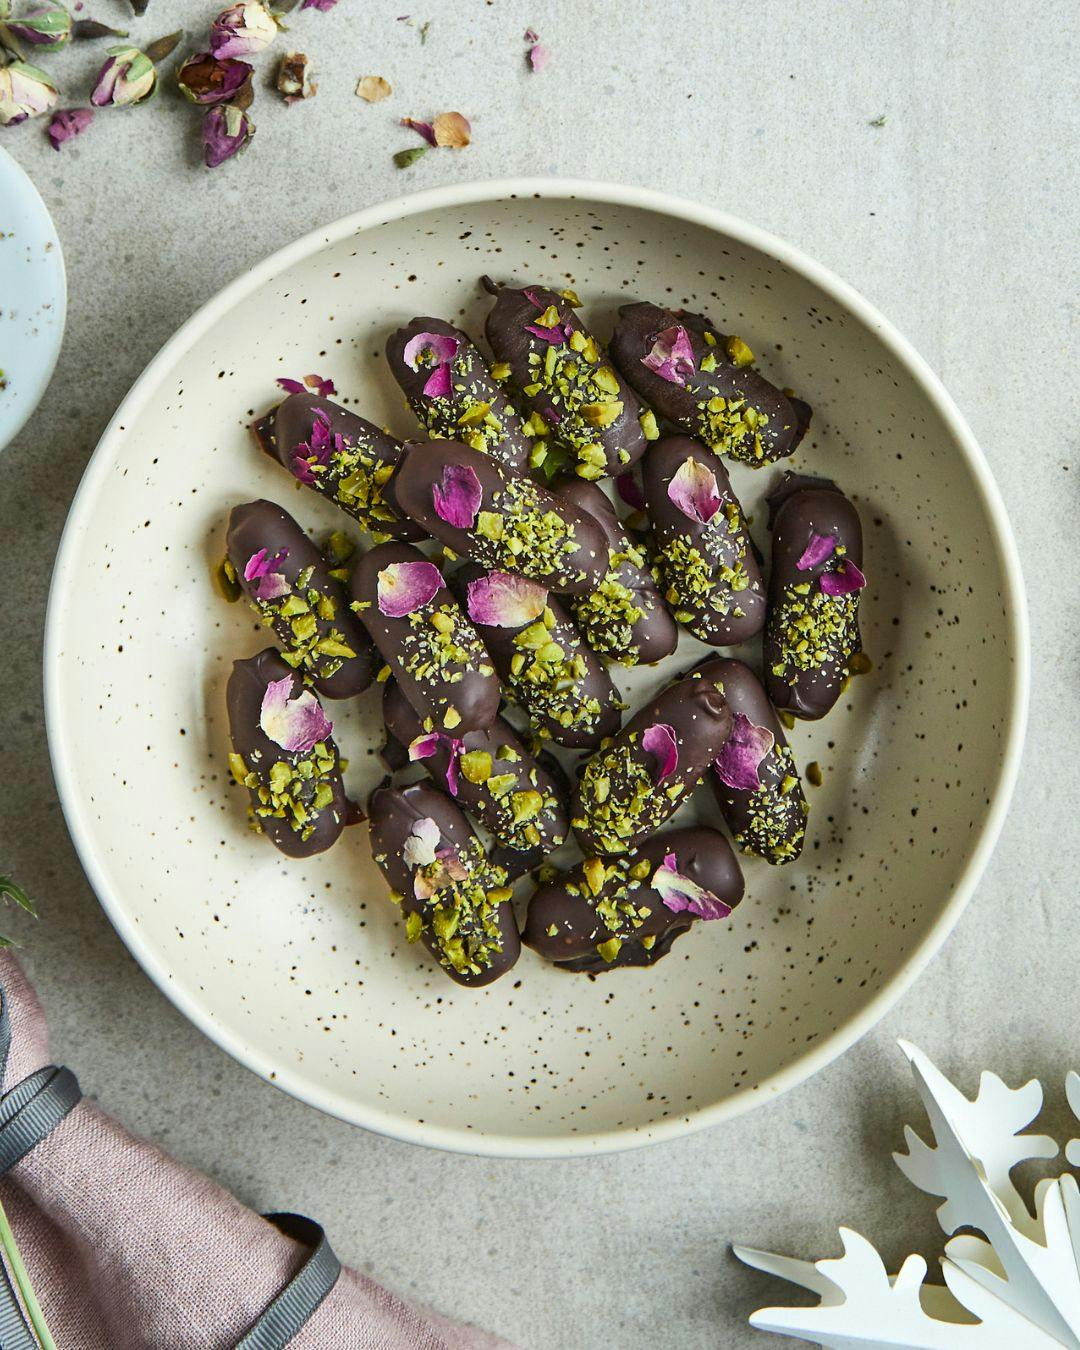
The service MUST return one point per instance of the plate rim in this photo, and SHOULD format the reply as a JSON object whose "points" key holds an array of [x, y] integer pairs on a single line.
{"points": [[817, 1057], [47, 371]]}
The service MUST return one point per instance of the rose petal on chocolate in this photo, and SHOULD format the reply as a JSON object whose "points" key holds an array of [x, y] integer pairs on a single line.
{"points": [[406, 587], [424, 129], [317, 384], [659, 741], [295, 724], [420, 847], [555, 337], [438, 383], [423, 747], [505, 601], [679, 893], [820, 549], [846, 580], [442, 348], [629, 489], [452, 130], [269, 584], [532, 294], [693, 490], [539, 56], [373, 88], [457, 498], [738, 763], [672, 355], [446, 867]]}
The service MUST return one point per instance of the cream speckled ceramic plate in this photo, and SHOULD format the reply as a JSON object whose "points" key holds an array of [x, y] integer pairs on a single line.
{"points": [[300, 969], [33, 298]]}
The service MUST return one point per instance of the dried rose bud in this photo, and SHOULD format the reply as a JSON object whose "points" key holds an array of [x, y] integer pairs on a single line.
{"points": [[66, 125], [207, 79], [226, 131], [294, 78], [25, 92], [127, 77], [46, 27], [243, 29]]}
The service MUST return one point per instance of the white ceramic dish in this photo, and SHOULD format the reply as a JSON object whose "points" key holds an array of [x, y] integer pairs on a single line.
{"points": [[33, 298], [299, 969]]}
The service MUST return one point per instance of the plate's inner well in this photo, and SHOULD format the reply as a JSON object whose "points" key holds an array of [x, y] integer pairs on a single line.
{"points": [[302, 967]]}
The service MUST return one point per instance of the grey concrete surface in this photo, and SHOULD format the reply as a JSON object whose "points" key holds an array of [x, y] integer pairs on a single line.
{"points": [[960, 218]]}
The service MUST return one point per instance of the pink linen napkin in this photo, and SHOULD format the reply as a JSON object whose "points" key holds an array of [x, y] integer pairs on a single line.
{"points": [[128, 1250]]}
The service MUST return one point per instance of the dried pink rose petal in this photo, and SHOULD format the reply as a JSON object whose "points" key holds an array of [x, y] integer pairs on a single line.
{"points": [[226, 130], [679, 893], [325, 388], [457, 498], [67, 124], [420, 847], [659, 740], [321, 5], [539, 56], [423, 747], [244, 29], [295, 724], [820, 549], [693, 490], [629, 489], [438, 383], [432, 350], [505, 601], [531, 35], [738, 763], [406, 587], [672, 355], [452, 130], [846, 580], [424, 129], [269, 584], [317, 449], [446, 868], [554, 336]]}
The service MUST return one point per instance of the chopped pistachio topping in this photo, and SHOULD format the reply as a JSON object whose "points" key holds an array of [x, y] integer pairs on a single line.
{"points": [[698, 580], [812, 629], [461, 918], [520, 534], [606, 618], [777, 811], [729, 425], [296, 788], [619, 800], [440, 646], [354, 476], [294, 617], [546, 678], [739, 353], [466, 414]]}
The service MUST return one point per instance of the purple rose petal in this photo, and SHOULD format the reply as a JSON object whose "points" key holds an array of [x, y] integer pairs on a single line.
{"points": [[554, 337], [423, 747], [629, 489], [447, 867], [679, 893], [424, 129], [269, 584], [457, 498], [294, 724], [659, 740], [406, 587], [420, 847], [532, 294], [820, 549], [321, 5], [243, 29], [316, 384], [693, 490], [738, 763], [846, 580], [442, 346], [69, 123], [505, 601], [539, 56], [317, 449], [672, 355], [438, 384]]}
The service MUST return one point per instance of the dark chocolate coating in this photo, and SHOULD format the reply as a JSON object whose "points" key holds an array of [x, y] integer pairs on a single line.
{"points": [[710, 575], [476, 411], [483, 943], [775, 425], [445, 676], [570, 906], [288, 816], [534, 526], [624, 619], [572, 700], [317, 614], [808, 682], [517, 784], [356, 477], [618, 801], [569, 391], [769, 821]]}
